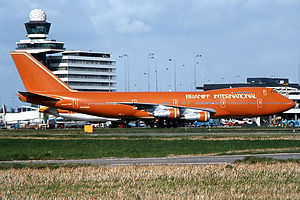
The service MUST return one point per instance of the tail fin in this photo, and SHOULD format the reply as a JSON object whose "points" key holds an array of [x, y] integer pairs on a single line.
{"points": [[35, 76], [2, 115], [3, 109]]}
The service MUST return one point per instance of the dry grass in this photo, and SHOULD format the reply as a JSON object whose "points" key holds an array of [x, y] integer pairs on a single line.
{"points": [[243, 152], [238, 181], [241, 137], [166, 138]]}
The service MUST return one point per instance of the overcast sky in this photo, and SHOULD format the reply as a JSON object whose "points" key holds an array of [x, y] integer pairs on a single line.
{"points": [[236, 38]]}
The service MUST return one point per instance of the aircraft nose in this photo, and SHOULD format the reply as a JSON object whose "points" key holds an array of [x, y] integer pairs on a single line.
{"points": [[292, 104], [289, 103]]}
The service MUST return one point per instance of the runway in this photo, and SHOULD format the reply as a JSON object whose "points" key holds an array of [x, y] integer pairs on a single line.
{"points": [[191, 160], [274, 133]]}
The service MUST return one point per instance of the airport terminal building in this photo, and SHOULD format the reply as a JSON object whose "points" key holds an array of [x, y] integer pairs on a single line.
{"points": [[281, 85], [81, 70], [85, 70]]}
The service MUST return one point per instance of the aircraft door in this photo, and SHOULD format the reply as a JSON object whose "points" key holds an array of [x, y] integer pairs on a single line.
{"points": [[223, 103], [75, 103], [259, 103], [175, 102]]}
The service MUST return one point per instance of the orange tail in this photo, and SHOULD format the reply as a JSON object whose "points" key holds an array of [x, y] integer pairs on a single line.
{"points": [[36, 77]]}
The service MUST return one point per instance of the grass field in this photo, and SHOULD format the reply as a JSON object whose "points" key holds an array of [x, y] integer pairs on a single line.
{"points": [[254, 178], [35, 149], [236, 181], [73, 144]]}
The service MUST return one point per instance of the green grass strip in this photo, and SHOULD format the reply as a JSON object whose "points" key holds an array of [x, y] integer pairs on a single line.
{"points": [[29, 149]]}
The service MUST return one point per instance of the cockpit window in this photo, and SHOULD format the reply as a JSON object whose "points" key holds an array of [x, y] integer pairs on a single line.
{"points": [[273, 91]]}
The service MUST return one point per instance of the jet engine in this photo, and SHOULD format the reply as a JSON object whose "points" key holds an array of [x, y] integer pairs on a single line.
{"points": [[166, 112], [202, 116]]}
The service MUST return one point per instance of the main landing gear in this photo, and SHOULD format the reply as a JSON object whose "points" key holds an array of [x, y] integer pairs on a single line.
{"points": [[166, 123]]}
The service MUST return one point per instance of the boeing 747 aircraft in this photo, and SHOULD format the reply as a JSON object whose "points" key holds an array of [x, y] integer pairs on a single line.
{"points": [[44, 88]]}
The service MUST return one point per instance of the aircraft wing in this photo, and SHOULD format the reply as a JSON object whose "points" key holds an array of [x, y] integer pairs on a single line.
{"points": [[39, 97], [149, 107], [182, 109]]}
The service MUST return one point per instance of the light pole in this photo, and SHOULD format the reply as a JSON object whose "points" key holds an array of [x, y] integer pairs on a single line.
{"points": [[12, 104], [149, 56], [174, 72], [237, 77], [126, 71], [186, 74], [109, 79], [195, 70], [168, 88], [156, 86], [128, 79], [156, 81]]}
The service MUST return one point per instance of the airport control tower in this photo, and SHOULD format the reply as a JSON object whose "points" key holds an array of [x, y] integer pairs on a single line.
{"points": [[81, 70], [37, 31]]}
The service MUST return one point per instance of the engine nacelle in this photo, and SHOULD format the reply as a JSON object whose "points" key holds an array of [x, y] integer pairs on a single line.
{"points": [[202, 116], [171, 113]]}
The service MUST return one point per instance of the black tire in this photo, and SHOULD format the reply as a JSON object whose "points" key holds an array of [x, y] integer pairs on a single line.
{"points": [[292, 124]]}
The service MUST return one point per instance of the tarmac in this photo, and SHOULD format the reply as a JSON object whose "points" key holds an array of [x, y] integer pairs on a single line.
{"points": [[190, 160]]}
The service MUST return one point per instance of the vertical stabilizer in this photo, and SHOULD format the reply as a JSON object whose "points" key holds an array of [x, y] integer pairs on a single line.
{"points": [[3, 109], [36, 77], [2, 115]]}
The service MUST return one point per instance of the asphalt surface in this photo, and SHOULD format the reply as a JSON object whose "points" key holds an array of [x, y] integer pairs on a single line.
{"points": [[197, 160], [194, 134], [170, 134]]}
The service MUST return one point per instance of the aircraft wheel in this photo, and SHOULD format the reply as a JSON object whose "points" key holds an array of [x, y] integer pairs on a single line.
{"points": [[160, 124], [175, 125], [291, 124], [113, 125]]}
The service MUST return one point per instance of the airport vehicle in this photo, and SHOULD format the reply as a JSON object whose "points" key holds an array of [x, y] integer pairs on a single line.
{"points": [[20, 119], [210, 123], [44, 88], [290, 123], [237, 122]]}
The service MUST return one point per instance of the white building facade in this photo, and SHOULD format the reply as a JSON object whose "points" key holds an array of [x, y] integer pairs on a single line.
{"points": [[85, 70], [293, 94]]}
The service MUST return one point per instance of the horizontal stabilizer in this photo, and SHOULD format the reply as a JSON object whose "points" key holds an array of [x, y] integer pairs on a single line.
{"points": [[38, 97]]}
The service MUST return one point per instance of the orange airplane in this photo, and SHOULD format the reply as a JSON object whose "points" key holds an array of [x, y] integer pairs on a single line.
{"points": [[44, 88]]}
